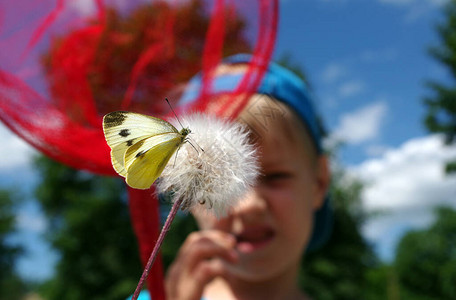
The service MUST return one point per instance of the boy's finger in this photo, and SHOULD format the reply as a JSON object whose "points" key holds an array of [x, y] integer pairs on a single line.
{"points": [[218, 237], [210, 269], [191, 287], [202, 257], [207, 247]]}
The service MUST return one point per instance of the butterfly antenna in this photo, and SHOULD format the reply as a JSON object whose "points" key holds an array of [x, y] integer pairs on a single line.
{"points": [[188, 139], [194, 147], [174, 112], [177, 152]]}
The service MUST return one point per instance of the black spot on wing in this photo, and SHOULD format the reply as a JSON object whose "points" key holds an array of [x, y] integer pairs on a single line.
{"points": [[115, 118], [124, 132], [140, 153], [130, 142]]}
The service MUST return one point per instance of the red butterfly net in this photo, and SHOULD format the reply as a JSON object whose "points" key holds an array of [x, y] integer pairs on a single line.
{"points": [[64, 64]]}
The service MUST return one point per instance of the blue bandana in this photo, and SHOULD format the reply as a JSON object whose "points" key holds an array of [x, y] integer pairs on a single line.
{"points": [[288, 88]]}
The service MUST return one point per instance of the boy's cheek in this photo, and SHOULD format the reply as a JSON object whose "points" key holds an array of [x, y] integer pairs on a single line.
{"points": [[280, 194]]}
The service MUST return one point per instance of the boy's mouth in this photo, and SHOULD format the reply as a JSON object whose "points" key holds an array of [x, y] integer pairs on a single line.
{"points": [[254, 238]]}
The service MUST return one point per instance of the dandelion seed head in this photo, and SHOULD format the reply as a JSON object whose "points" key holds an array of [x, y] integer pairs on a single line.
{"points": [[215, 168]]}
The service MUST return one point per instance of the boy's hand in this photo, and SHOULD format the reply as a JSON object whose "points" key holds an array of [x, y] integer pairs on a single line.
{"points": [[202, 257]]}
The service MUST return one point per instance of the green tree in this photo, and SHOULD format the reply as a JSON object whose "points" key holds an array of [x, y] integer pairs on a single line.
{"points": [[91, 230], [441, 105], [426, 259], [382, 283], [11, 286], [339, 269]]}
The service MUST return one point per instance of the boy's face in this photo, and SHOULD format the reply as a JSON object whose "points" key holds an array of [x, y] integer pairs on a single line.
{"points": [[273, 223]]}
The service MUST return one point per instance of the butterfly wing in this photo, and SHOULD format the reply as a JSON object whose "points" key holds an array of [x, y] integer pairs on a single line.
{"points": [[145, 160], [124, 129]]}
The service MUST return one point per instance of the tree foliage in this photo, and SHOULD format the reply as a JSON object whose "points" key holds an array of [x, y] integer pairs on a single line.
{"points": [[338, 270], [426, 259], [11, 286], [91, 231], [441, 105]]}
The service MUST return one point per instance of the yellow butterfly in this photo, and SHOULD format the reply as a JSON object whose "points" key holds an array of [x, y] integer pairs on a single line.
{"points": [[141, 145]]}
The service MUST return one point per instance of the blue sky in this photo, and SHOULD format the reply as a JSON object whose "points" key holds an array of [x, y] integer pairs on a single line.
{"points": [[367, 62], [358, 53]]}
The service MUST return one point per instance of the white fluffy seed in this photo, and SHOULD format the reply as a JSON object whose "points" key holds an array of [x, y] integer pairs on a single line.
{"points": [[215, 168]]}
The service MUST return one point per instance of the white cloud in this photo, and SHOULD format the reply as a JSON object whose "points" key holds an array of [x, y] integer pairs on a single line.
{"points": [[413, 2], [397, 2], [351, 88], [409, 177], [31, 222], [386, 230], [361, 125], [437, 3], [379, 55], [333, 72], [376, 150], [333, 1], [406, 183], [415, 9], [14, 152]]}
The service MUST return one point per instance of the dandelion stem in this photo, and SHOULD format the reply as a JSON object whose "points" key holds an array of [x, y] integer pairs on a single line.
{"points": [[157, 246]]}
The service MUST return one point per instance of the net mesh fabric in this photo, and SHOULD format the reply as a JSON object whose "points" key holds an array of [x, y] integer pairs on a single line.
{"points": [[64, 64]]}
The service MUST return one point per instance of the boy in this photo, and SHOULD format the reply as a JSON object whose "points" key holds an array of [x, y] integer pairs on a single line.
{"points": [[255, 252]]}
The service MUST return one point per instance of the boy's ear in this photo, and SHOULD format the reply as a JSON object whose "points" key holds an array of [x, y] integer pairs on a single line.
{"points": [[322, 180]]}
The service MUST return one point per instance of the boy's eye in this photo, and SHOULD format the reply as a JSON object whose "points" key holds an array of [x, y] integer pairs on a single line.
{"points": [[274, 177]]}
